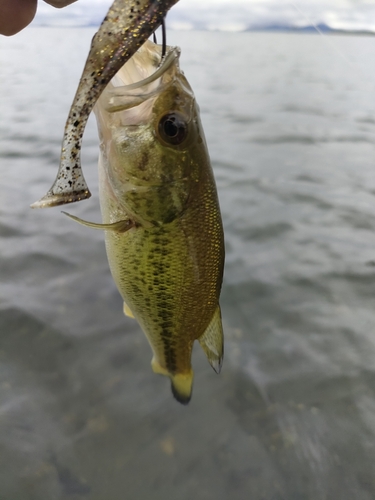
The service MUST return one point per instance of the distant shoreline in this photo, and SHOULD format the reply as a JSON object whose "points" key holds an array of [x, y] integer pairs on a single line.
{"points": [[268, 29]]}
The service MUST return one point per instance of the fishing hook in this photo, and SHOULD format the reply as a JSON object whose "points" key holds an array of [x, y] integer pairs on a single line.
{"points": [[164, 38]]}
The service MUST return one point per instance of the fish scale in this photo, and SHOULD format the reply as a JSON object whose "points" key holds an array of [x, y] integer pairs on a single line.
{"points": [[181, 302]]}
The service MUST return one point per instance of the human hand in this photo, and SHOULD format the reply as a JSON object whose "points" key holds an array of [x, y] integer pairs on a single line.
{"points": [[17, 14]]}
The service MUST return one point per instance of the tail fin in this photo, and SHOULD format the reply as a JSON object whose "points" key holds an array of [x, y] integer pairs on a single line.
{"points": [[181, 383], [182, 386]]}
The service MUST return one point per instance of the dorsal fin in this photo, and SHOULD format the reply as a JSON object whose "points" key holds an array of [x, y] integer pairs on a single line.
{"points": [[212, 341]]}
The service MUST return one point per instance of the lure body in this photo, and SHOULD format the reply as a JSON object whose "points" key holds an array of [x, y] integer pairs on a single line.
{"points": [[127, 25], [159, 204]]}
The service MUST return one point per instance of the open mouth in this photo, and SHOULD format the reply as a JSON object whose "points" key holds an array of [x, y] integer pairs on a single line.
{"points": [[140, 78]]}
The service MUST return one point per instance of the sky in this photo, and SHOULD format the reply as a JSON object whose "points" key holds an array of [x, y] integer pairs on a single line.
{"points": [[231, 15]]}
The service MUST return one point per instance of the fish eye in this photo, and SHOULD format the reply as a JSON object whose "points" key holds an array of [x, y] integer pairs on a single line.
{"points": [[173, 128]]}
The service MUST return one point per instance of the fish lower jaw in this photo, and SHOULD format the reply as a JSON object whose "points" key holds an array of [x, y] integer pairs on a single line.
{"points": [[181, 383]]}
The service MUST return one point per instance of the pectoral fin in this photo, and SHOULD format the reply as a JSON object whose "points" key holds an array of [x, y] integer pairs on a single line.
{"points": [[127, 311], [212, 341], [119, 227]]}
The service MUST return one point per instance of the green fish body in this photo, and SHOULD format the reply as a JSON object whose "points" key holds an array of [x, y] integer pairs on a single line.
{"points": [[164, 236]]}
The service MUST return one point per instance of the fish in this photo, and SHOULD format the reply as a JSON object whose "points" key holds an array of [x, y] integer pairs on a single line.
{"points": [[160, 210], [127, 25]]}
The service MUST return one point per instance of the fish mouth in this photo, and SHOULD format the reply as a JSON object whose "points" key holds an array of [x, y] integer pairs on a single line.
{"points": [[140, 78]]}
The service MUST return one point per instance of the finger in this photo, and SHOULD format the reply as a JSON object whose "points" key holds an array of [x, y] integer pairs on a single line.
{"points": [[15, 15], [60, 3]]}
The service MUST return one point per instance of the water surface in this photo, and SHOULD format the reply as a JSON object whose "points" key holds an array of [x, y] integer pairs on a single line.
{"points": [[290, 123]]}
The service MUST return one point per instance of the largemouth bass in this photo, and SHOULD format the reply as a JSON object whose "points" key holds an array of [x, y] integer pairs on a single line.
{"points": [[160, 209], [127, 25]]}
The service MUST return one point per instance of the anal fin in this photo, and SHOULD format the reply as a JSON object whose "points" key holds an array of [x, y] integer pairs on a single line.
{"points": [[157, 368], [212, 341]]}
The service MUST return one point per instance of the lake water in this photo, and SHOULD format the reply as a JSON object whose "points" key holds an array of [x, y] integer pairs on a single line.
{"points": [[290, 124]]}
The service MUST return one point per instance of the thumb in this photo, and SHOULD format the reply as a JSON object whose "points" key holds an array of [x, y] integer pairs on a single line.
{"points": [[60, 3]]}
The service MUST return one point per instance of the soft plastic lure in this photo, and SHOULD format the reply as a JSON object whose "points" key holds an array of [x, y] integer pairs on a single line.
{"points": [[127, 25]]}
